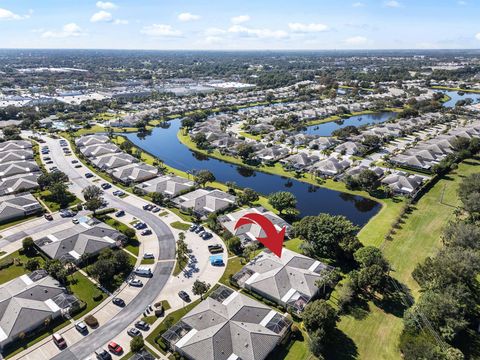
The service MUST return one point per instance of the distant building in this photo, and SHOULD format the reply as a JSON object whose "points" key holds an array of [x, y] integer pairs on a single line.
{"points": [[14, 207]]}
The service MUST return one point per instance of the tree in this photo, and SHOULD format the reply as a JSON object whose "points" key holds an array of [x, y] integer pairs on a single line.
{"points": [[32, 264], [129, 233], [249, 250], [56, 269], [203, 177], [200, 288], [235, 245], [462, 234], [247, 196], [136, 344], [28, 245], [319, 319], [59, 193], [368, 180], [327, 235], [245, 150], [187, 123], [92, 192], [157, 198], [94, 204], [282, 200], [329, 279]]}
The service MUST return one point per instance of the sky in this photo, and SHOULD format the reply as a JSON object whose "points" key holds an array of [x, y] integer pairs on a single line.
{"points": [[240, 24]]}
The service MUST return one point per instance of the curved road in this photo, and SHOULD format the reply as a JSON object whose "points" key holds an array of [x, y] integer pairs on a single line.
{"points": [[150, 290]]}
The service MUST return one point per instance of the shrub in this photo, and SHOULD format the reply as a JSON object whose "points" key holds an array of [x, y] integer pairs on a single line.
{"points": [[91, 321], [32, 264], [136, 344], [6, 263], [97, 296]]}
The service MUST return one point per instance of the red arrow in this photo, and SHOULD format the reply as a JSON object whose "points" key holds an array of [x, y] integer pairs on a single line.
{"points": [[273, 239]]}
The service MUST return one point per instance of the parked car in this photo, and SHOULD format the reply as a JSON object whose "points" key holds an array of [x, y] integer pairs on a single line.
{"points": [[76, 167], [146, 232], [47, 158], [207, 235], [142, 325], [102, 354], [49, 162], [120, 213], [88, 175], [143, 271], [140, 226], [81, 327], [115, 348], [215, 248], [155, 209], [133, 332], [106, 186], [147, 207], [49, 217], [74, 161], [135, 282], [148, 256], [75, 221], [119, 302], [184, 296], [118, 193], [217, 262], [199, 229], [59, 341], [193, 227], [66, 213]]}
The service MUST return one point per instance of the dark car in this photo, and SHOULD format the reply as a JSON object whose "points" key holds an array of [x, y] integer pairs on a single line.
{"points": [[184, 296], [120, 213], [140, 226], [118, 302], [193, 227], [206, 235], [146, 232], [199, 229], [215, 248], [142, 325], [106, 186], [49, 217], [147, 207], [102, 354], [88, 175], [155, 209], [133, 332], [79, 166]]}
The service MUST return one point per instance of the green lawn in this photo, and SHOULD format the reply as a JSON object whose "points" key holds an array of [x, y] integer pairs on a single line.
{"points": [[52, 205], [17, 268], [180, 265], [234, 265], [180, 226], [84, 290], [148, 261], [133, 244], [419, 237]]}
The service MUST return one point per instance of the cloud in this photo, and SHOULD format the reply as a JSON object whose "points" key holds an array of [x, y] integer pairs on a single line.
{"points": [[68, 30], [358, 4], [120, 22], [188, 17], [101, 16], [477, 36], [356, 40], [9, 15], [106, 5], [240, 19], [161, 30], [214, 32], [393, 4], [257, 33], [307, 28]]}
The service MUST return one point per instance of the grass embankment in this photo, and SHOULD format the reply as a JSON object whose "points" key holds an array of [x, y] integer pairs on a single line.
{"points": [[439, 87], [375, 331], [180, 226], [17, 261], [86, 291]]}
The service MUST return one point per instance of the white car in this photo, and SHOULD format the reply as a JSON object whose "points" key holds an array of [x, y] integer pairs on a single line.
{"points": [[81, 327], [148, 256], [135, 282]]}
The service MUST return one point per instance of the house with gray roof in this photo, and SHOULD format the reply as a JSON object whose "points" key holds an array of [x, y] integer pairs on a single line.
{"points": [[356, 170], [205, 201], [89, 140], [15, 145], [350, 148], [14, 207], [300, 161], [330, 167], [167, 185], [113, 161], [272, 153], [93, 151], [19, 183], [15, 155], [17, 167], [249, 233], [27, 301], [403, 183], [289, 281], [226, 326], [134, 173], [85, 238]]}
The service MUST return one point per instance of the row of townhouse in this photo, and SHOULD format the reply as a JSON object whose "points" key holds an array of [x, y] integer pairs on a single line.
{"points": [[426, 154], [18, 170]]}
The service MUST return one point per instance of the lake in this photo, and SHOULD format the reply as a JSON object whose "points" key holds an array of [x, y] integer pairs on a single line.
{"points": [[456, 97], [326, 129], [312, 200]]}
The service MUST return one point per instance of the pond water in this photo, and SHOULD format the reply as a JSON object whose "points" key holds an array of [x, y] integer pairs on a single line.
{"points": [[326, 129], [312, 200], [455, 96]]}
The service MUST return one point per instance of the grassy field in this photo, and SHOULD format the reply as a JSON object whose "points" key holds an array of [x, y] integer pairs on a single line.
{"points": [[180, 226], [373, 328], [17, 268], [84, 290], [234, 265], [52, 205]]}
